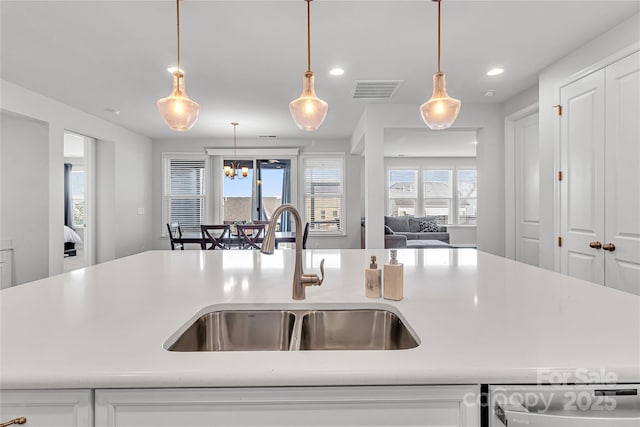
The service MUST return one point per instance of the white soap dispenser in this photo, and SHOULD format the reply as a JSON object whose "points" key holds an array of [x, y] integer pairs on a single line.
{"points": [[393, 278], [373, 280]]}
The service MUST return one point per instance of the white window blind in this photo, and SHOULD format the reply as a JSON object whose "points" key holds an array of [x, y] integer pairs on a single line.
{"points": [[324, 194], [185, 192]]}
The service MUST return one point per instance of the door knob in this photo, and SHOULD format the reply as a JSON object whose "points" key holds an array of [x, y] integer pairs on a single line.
{"points": [[19, 420], [609, 247], [595, 245]]}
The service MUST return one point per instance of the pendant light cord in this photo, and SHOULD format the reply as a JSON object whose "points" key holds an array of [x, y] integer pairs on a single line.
{"points": [[178, 31], [235, 144], [439, 1], [308, 35]]}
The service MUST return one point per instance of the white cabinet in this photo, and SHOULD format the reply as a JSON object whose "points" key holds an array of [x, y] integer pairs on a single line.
{"points": [[600, 189], [440, 406], [48, 408]]}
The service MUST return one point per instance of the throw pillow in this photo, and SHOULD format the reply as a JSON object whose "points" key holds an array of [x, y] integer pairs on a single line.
{"points": [[429, 226]]}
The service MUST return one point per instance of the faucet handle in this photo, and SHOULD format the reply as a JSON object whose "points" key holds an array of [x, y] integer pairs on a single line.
{"points": [[313, 279]]}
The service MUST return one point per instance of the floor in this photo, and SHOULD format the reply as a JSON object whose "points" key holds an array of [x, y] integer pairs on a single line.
{"points": [[74, 262]]}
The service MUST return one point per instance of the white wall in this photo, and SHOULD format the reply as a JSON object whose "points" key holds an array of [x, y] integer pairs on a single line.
{"points": [[130, 176], [24, 155], [199, 146], [604, 46]]}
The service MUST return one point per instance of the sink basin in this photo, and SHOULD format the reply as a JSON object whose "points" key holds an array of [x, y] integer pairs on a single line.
{"points": [[238, 330], [275, 329], [354, 330]]}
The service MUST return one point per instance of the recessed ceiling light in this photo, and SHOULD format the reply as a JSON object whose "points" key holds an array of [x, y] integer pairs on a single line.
{"points": [[172, 70], [495, 71], [336, 71], [490, 92]]}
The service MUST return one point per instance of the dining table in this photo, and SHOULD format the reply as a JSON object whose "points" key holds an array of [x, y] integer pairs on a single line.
{"points": [[234, 239]]}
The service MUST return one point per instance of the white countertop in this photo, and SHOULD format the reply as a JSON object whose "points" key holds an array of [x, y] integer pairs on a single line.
{"points": [[479, 318]]}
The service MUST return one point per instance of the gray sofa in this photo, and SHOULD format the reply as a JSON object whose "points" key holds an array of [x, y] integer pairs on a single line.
{"points": [[402, 232]]}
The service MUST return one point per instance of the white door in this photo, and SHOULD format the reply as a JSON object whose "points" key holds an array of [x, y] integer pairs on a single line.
{"points": [[582, 188], [527, 185], [622, 175]]}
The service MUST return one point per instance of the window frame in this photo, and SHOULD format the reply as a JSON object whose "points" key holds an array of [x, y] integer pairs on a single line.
{"points": [[342, 197], [420, 166], [416, 183], [166, 185], [79, 169]]}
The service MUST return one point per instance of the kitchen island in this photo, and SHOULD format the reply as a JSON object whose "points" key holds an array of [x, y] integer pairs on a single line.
{"points": [[479, 319]]}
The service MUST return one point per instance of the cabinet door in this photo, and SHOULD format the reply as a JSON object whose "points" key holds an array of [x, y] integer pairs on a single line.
{"points": [[582, 188], [48, 408], [622, 175], [290, 406]]}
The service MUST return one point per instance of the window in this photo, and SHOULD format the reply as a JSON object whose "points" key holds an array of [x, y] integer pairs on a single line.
{"points": [[438, 195], [448, 193], [77, 197], [323, 193], [403, 194], [467, 196], [184, 191]]}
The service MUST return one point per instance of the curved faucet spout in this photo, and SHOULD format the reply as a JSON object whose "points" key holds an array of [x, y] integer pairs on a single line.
{"points": [[300, 279]]}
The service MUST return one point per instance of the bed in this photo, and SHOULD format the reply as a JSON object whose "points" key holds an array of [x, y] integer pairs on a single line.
{"points": [[71, 238]]}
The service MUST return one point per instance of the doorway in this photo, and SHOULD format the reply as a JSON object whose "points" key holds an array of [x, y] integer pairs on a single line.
{"points": [[259, 187], [523, 186], [79, 195]]}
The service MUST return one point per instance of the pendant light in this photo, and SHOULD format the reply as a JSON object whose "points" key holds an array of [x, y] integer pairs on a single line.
{"points": [[308, 111], [177, 110], [233, 169], [441, 110]]}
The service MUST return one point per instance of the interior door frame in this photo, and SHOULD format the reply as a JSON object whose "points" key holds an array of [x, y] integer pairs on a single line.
{"points": [[510, 176]]}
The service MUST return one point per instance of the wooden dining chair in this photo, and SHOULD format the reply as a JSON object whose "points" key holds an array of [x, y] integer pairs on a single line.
{"points": [[232, 224], [250, 235], [175, 232], [218, 235], [266, 224]]}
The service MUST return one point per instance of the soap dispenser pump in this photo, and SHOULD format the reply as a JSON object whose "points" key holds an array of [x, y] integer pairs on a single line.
{"points": [[393, 278], [373, 280]]}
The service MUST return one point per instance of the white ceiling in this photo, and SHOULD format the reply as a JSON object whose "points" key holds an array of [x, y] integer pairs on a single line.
{"points": [[244, 60]]}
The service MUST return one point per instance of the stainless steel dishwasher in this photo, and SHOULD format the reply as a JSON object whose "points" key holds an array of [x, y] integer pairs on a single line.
{"points": [[565, 406]]}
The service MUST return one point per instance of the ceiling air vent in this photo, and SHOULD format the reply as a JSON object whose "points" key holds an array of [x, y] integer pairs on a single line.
{"points": [[375, 89]]}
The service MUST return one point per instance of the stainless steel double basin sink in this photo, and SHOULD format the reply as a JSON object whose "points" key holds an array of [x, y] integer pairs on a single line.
{"points": [[251, 329]]}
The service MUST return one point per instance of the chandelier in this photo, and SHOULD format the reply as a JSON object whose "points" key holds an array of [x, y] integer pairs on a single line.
{"points": [[233, 170]]}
